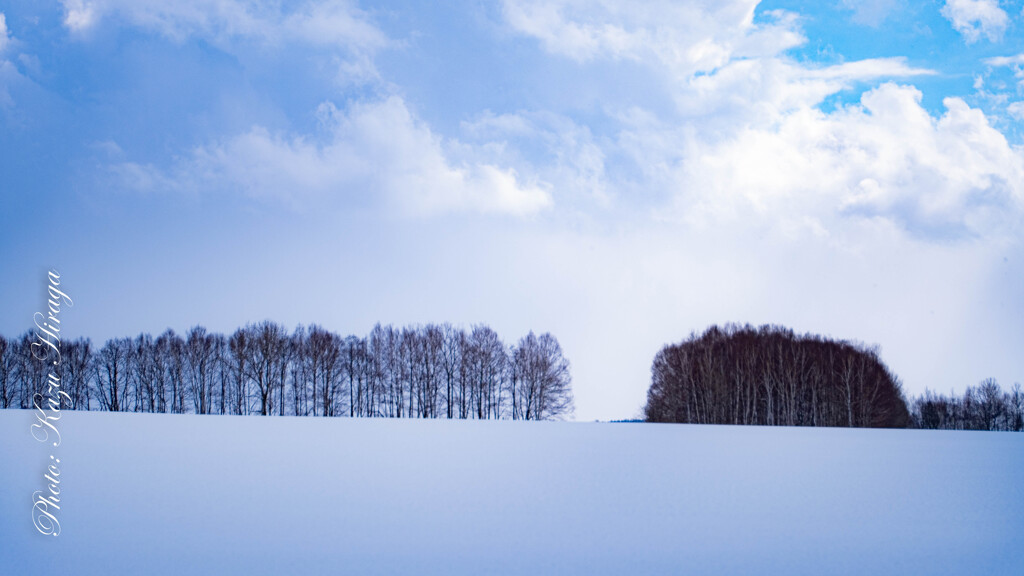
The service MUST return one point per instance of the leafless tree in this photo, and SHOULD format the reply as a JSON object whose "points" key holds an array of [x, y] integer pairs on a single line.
{"points": [[76, 371], [540, 382], [7, 369], [266, 364], [771, 376], [431, 371], [113, 367], [203, 355], [239, 354]]}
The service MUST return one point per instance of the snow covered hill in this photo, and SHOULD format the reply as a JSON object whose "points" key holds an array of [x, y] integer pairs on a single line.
{"points": [[158, 494]]}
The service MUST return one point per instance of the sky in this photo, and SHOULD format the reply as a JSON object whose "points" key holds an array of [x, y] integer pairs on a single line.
{"points": [[618, 174]]}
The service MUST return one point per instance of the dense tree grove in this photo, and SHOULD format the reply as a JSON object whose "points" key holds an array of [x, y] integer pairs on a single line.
{"points": [[432, 371], [770, 376]]}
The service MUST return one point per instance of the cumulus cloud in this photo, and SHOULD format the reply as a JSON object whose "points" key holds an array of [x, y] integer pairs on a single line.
{"points": [[748, 138], [720, 62], [324, 23], [762, 91], [886, 158], [976, 18], [375, 148]]}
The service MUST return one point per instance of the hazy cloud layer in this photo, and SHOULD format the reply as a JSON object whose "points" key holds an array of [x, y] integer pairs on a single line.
{"points": [[372, 148], [332, 22]]}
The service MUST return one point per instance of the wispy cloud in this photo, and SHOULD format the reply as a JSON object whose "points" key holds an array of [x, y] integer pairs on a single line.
{"points": [[326, 23], [686, 37], [871, 12], [976, 18], [1017, 60], [4, 33], [8, 71]]}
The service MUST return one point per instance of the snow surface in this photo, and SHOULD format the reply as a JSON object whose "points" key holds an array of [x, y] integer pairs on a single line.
{"points": [[158, 494]]}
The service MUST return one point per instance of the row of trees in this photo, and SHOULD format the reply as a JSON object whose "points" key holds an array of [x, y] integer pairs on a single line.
{"points": [[771, 376], [982, 407], [432, 371]]}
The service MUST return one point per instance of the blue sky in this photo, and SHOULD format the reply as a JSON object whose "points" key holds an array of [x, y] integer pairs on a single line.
{"points": [[618, 175]]}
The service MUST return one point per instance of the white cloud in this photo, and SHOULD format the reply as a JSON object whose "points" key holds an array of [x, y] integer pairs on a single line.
{"points": [[685, 37], [871, 12], [718, 62], [1016, 63], [762, 91], [570, 158], [9, 74], [79, 15], [374, 148], [747, 139], [975, 18], [1016, 109], [887, 158], [4, 34], [1017, 60], [324, 23]]}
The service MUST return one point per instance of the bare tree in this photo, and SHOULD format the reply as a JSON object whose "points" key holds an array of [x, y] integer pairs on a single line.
{"points": [[355, 371], [542, 386], [239, 354], [76, 371], [266, 364], [113, 389], [770, 376], [7, 371], [429, 371], [203, 354], [451, 366]]}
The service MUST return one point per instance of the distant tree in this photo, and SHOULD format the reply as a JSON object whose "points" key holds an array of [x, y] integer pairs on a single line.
{"points": [[486, 372], [430, 361], [321, 361], [7, 371], [1015, 402], [28, 372], [771, 376], [143, 373], [451, 366], [355, 366], [76, 372], [428, 371], [204, 352], [541, 387], [239, 354], [981, 407], [113, 386], [266, 363]]}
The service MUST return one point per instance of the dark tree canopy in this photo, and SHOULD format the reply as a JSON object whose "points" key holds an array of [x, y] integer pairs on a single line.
{"points": [[771, 376]]}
